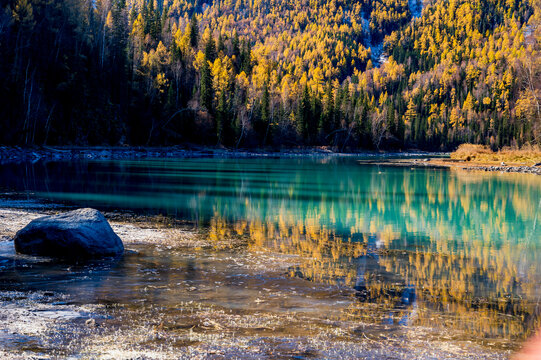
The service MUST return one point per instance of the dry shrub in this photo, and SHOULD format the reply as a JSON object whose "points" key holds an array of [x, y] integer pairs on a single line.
{"points": [[470, 152], [528, 154]]}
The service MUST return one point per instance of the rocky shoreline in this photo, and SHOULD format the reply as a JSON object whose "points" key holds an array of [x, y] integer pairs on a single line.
{"points": [[515, 169], [460, 165], [46, 153]]}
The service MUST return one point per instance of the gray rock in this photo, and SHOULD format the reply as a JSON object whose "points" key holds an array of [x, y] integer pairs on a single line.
{"points": [[83, 233]]}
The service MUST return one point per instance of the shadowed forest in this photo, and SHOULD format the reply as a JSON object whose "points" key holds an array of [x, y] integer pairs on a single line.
{"points": [[375, 74]]}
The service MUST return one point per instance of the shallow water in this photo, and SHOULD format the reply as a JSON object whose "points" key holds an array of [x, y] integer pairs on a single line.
{"points": [[389, 248]]}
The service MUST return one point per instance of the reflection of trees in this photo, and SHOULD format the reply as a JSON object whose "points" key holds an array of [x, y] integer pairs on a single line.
{"points": [[467, 247], [447, 205], [472, 289]]}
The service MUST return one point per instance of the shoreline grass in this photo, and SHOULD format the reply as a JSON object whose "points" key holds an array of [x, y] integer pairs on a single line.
{"points": [[526, 155]]}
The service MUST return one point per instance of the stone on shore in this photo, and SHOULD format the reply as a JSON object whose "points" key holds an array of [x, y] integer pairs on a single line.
{"points": [[82, 233]]}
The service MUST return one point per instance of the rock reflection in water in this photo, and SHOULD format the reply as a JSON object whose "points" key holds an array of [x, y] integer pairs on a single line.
{"points": [[401, 296]]}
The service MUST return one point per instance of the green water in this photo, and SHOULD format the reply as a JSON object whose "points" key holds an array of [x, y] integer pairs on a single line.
{"points": [[424, 247]]}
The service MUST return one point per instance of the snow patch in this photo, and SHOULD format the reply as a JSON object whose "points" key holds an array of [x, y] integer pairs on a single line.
{"points": [[416, 8]]}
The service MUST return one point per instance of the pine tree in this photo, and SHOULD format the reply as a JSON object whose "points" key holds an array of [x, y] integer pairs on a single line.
{"points": [[304, 114], [391, 119], [207, 93], [221, 45], [235, 45], [210, 49], [263, 125], [246, 57], [265, 104], [400, 129], [194, 32], [222, 120], [327, 118], [156, 29], [149, 18], [411, 119]]}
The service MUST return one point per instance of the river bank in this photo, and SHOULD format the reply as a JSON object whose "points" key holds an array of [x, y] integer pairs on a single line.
{"points": [[407, 158], [180, 294], [457, 165], [19, 154]]}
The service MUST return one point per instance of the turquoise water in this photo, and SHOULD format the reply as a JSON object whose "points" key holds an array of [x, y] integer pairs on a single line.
{"points": [[429, 247]]}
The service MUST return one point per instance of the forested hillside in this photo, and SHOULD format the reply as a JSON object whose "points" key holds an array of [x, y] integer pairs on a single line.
{"points": [[250, 73]]}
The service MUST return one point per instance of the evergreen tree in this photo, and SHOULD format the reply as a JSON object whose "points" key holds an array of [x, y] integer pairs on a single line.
{"points": [[391, 120], [304, 113], [207, 93], [222, 120], [265, 112], [221, 45], [194, 32], [246, 57], [327, 118], [210, 49]]}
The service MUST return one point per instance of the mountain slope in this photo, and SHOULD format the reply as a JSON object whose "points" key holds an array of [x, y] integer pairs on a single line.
{"points": [[348, 74]]}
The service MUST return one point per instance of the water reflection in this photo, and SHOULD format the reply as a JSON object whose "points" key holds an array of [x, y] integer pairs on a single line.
{"points": [[423, 247], [480, 292]]}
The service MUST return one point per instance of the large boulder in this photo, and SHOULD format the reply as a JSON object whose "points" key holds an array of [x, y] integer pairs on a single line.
{"points": [[83, 233]]}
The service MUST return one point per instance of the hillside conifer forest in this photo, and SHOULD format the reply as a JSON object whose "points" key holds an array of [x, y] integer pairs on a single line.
{"points": [[356, 74]]}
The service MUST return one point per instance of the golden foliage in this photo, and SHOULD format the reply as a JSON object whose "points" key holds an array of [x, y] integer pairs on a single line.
{"points": [[528, 154]]}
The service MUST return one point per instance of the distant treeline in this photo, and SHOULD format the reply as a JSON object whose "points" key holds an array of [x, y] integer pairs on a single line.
{"points": [[252, 73]]}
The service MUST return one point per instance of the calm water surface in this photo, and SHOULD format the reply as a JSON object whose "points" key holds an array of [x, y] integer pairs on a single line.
{"points": [[422, 247]]}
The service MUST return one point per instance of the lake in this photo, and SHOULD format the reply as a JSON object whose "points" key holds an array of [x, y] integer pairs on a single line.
{"points": [[389, 248]]}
